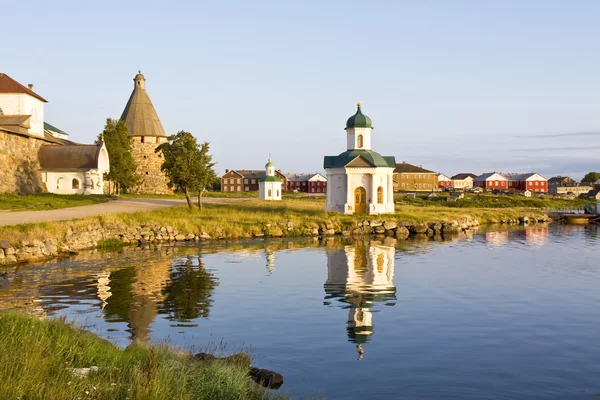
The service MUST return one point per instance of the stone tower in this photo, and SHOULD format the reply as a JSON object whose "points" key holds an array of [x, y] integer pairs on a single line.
{"points": [[147, 133]]}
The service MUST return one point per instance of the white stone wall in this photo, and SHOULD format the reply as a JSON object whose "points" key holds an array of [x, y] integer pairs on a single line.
{"points": [[342, 182], [352, 136], [24, 104], [269, 190], [61, 182]]}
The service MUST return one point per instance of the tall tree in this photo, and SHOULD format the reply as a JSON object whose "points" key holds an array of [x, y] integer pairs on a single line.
{"points": [[591, 177], [187, 165], [118, 144], [206, 175]]}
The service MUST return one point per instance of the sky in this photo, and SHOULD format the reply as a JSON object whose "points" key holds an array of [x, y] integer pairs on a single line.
{"points": [[454, 86]]}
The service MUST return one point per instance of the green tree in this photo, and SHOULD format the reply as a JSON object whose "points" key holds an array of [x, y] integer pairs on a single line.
{"points": [[591, 177], [187, 165], [118, 144]]}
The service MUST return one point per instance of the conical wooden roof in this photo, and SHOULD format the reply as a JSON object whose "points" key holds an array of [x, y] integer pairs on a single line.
{"points": [[139, 114]]}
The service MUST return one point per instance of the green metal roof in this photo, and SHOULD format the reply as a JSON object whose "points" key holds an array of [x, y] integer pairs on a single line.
{"points": [[270, 179], [269, 164], [373, 158], [49, 127], [358, 120]]}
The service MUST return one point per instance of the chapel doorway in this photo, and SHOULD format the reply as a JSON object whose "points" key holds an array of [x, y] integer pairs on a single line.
{"points": [[360, 200]]}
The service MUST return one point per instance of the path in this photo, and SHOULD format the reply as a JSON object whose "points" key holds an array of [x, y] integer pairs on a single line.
{"points": [[111, 207]]}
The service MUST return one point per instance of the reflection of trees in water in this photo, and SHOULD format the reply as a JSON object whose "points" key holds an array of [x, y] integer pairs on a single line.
{"points": [[121, 287], [188, 295]]}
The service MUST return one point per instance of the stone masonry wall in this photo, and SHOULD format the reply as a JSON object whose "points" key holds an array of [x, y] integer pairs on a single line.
{"points": [[20, 170], [151, 178]]}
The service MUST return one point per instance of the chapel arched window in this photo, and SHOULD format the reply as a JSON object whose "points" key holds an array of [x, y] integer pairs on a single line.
{"points": [[359, 141], [75, 184], [380, 195]]}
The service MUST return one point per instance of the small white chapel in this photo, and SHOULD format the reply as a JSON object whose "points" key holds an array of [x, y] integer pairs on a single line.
{"points": [[359, 180], [269, 187]]}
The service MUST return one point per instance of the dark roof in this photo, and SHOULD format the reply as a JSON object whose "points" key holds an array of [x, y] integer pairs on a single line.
{"points": [[560, 179], [464, 176], [485, 176], [367, 157], [252, 173], [139, 113], [405, 167], [69, 157], [358, 120], [9, 85], [52, 128], [520, 176]]}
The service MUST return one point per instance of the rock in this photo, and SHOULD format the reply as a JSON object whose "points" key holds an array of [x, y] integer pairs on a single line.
{"points": [[1, 253], [266, 378], [240, 359], [419, 228], [524, 220], [23, 243], [375, 223], [10, 259], [330, 232], [83, 372], [179, 238], [450, 229], [190, 236], [389, 225], [204, 236], [402, 232], [379, 230], [4, 244]]}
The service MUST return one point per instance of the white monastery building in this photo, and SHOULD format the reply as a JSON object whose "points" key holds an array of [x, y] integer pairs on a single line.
{"points": [[38, 157], [359, 180], [269, 187]]}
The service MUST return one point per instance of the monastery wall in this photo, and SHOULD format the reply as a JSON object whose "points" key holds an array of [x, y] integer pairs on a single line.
{"points": [[151, 178], [19, 164]]}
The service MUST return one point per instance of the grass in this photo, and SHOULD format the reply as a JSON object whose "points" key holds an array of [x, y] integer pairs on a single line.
{"points": [[48, 201], [110, 245], [243, 219], [37, 356], [227, 195], [492, 201]]}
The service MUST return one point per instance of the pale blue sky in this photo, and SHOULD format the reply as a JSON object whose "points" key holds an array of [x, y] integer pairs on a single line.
{"points": [[457, 86]]}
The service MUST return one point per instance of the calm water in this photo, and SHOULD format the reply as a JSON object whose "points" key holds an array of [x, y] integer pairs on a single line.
{"points": [[501, 314]]}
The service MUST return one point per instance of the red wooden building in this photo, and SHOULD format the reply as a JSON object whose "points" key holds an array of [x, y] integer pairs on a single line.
{"points": [[308, 183], [531, 181], [491, 180], [443, 181]]}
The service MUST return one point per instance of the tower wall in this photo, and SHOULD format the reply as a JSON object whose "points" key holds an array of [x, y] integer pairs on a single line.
{"points": [[151, 178]]}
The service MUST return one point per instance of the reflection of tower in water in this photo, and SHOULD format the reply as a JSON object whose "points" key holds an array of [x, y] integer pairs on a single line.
{"points": [[360, 276], [270, 260]]}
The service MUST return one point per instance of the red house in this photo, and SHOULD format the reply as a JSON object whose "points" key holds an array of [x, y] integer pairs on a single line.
{"points": [[315, 183], [443, 181], [531, 181], [491, 180]]}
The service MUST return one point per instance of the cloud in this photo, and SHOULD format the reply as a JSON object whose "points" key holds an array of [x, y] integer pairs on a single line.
{"points": [[565, 135]]}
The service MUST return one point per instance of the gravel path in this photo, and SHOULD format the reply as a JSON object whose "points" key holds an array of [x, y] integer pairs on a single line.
{"points": [[111, 207]]}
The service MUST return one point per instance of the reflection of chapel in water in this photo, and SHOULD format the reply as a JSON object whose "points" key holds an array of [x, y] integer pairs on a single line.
{"points": [[360, 276]]}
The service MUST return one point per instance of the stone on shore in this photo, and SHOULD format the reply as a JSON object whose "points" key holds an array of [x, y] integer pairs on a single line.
{"points": [[267, 378]]}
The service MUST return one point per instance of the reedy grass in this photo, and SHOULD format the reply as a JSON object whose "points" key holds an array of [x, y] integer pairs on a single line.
{"points": [[37, 355], [48, 201]]}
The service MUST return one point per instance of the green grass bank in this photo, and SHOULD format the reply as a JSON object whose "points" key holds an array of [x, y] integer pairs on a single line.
{"points": [[40, 360], [48, 201]]}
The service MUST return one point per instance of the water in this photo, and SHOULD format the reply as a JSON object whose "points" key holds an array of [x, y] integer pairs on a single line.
{"points": [[501, 314]]}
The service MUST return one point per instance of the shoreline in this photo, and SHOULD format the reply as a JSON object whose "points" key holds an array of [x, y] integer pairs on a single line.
{"points": [[44, 241]]}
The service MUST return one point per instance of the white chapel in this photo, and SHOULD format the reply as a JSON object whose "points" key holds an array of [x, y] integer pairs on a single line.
{"points": [[359, 180], [269, 187]]}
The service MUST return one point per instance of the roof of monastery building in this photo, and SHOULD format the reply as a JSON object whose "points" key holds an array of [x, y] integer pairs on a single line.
{"points": [[407, 168], [70, 157], [9, 85], [139, 114], [359, 120], [359, 158]]}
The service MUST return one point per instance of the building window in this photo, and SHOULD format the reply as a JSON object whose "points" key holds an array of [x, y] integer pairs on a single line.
{"points": [[277, 193], [239, 180], [380, 195], [359, 141], [403, 186], [246, 181], [74, 184], [1, 112], [59, 182], [269, 193], [247, 188], [253, 181]]}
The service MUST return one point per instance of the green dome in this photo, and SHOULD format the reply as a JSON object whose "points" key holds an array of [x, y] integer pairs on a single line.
{"points": [[269, 164], [358, 120]]}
